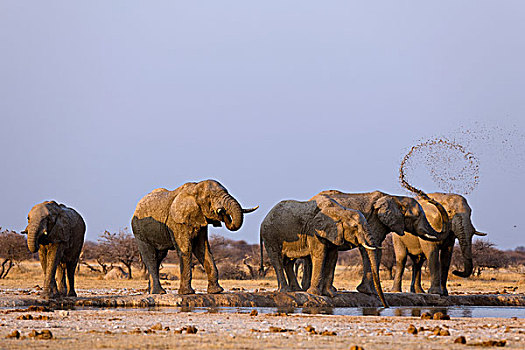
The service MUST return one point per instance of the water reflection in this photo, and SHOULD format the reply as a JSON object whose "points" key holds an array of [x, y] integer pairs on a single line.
{"points": [[322, 310]]}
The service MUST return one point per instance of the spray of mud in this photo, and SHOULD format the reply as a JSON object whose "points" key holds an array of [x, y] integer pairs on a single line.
{"points": [[453, 161], [449, 164]]}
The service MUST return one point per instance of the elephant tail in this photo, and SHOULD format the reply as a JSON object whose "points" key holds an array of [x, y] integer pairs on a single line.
{"points": [[261, 267]]}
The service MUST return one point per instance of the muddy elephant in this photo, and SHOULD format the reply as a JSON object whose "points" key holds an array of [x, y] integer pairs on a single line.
{"points": [[178, 220], [439, 254], [57, 233], [315, 229], [387, 213]]}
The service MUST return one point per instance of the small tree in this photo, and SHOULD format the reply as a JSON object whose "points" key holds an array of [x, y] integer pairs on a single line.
{"points": [[119, 247], [13, 250], [95, 251], [485, 255]]}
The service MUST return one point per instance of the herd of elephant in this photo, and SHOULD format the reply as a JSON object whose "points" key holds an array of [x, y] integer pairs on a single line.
{"points": [[313, 230]]}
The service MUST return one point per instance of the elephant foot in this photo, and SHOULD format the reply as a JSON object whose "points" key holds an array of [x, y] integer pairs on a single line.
{"points": [[157, 290], [435, 290], [365, 289], [331, 292], [396, 289], [445, 292], [286, 289], [417, 290], [296, 289], [50, 295], [72, 293], [186, 290], [215, 289], [314, 291]]}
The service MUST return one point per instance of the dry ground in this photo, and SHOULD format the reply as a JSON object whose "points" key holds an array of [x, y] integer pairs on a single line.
{"points": [[128, 329]]}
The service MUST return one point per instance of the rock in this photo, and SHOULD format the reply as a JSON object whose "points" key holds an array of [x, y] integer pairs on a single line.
{"points": [[254, 313], [45, 334], [440, 316], [273, 329], [25, 317], [191, 329], [157, 327], [460, 340], [436, 330], [412, 329], [444, 333], [13, 334], [498, 343], [116, 273], [426, 316], [356, 347], [330, 333], [310, 329]]}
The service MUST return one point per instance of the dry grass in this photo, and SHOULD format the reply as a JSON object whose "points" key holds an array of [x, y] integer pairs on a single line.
{"points": [[29, 274]]}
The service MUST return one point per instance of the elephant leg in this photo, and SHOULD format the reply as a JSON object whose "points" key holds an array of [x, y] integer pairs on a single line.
{"points": [[61, 278], [53, 257], [445, 259], [307, 273], [277, 260], [70, 269], [185, 254], [329, 272], [201, 249], [319, 256], [290, 274], [417, 264], [42, 254], [149, 257], [401, 260], [434, 267], [366, 285]]}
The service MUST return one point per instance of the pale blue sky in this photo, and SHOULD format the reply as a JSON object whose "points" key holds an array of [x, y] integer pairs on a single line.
{"points": [[103, 101]]}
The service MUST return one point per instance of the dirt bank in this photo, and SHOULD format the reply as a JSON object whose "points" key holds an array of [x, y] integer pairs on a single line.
{"points": [[268, 299]]}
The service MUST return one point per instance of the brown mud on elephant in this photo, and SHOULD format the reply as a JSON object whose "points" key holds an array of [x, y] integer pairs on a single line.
{"points": [[316, 230], [57, 233], [178, 220]]}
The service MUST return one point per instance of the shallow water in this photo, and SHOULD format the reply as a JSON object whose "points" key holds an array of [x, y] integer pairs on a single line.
{"points": [[452, 311]]}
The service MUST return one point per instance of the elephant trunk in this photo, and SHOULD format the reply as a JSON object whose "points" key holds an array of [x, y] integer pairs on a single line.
{"points": [[233, 217], [32, 238], [464, 235], [375, 257]]}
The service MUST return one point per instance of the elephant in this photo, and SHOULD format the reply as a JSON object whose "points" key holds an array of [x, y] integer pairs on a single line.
{"points": [[386, 213], [57, 233], [315, 229], [178, 220], [439, 254]]}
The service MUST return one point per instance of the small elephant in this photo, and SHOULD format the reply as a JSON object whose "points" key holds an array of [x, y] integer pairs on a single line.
{"points": [[167, 220], [386, 213], [315, 229], [439, 254], [57, 233]]}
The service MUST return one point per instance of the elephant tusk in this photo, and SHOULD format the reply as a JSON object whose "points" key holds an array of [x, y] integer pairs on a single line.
{"points": [[477, 233], [220, 211], [369, 247], [245, 211], [433, 238]]}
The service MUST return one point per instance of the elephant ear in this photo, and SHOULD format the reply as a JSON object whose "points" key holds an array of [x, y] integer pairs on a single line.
{"points": [[61, 231], [185, 210], [327, 225], [389, 213]]}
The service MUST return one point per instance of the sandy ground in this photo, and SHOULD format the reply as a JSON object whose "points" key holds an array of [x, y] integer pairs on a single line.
{"points": [[132, 328]]}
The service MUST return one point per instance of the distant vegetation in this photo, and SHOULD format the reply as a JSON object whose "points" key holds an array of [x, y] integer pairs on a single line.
{"points": [[236, 259]]}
